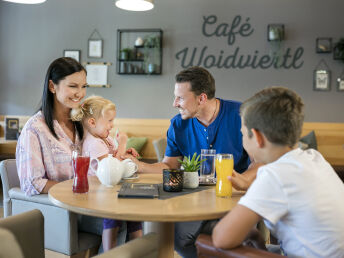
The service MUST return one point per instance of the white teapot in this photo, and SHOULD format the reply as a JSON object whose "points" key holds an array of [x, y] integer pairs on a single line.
{"points": [[111, 170]]}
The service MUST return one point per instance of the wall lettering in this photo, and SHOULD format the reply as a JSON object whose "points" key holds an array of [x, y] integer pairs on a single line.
{"points": [[232, 59]]}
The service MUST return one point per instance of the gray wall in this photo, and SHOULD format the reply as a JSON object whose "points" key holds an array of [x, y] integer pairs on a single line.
{"points": [[32, 36]]}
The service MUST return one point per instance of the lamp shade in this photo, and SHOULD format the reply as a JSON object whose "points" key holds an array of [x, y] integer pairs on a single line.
{"points": [[26, 1], [135, 5]]}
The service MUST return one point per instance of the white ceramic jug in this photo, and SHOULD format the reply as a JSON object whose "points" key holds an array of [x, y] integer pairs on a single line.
{"points": [[111, 170]]}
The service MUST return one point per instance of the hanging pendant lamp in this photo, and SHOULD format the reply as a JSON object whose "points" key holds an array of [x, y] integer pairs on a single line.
{"points": [[135, 5], [26, 1]]}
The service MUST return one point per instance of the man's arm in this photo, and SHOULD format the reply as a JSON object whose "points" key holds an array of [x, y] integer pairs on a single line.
{"points": [[167, 163], [234, 227]]}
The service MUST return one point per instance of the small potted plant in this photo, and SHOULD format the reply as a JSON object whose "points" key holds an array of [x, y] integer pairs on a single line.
{"points": [[151, 53], [191, 167], [125, 54]]}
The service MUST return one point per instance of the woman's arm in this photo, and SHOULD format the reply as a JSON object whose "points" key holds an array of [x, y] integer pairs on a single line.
{"points": [[48, 185], [30, 167]]}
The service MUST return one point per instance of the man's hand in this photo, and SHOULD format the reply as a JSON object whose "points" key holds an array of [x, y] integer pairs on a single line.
{"points": [[133, 152]]}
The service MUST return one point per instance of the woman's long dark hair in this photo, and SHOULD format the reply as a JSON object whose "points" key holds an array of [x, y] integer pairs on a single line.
{"points": [[57, 71]]}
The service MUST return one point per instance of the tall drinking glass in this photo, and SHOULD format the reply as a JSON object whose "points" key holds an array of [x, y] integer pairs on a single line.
{"points": [[80, 164], [207, 175], [224, 164]]}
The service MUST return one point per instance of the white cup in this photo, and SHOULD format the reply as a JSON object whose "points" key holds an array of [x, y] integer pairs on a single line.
{"points": [[129, 168]]}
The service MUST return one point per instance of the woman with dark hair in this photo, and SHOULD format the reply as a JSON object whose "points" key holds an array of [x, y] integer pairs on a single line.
{"points": [[46, 142]]}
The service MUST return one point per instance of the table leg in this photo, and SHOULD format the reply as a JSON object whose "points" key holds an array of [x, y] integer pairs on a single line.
{"points": [[166, 237]]}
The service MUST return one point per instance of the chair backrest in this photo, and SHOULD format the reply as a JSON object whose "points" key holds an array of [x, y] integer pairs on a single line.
{"points": [[160, 147], [28, 230], [10, 179]]}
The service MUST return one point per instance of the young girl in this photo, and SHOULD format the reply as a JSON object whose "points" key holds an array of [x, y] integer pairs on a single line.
{"points": [[97, 115]]}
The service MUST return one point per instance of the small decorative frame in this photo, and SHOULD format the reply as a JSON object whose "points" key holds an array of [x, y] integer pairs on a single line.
{"points": [[340, 82], [97, 74], [275, 32], [95, 45], [322, 80], [323, 45], [322, 77], [72, 53]]}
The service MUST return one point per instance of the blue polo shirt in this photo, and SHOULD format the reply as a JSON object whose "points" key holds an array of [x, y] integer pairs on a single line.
{"points": [[185, 137]]}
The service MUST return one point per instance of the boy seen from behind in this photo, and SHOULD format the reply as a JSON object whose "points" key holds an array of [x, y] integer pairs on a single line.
{"points": [[296, 192]]}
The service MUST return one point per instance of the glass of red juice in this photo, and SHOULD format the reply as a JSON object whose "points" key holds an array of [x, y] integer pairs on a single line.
{"points": [[80, 164]]}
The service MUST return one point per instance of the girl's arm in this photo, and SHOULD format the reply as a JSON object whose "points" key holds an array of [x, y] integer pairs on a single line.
{"points": [[122, 139]]}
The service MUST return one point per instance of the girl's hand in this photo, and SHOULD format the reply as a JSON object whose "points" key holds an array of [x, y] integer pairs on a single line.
{"points": [[121, 138], [133, 152]]}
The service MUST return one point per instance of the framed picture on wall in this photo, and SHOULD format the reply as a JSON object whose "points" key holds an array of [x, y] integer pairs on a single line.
{"points": [[95, 48], [321, 80], [340, 84], [323, 45], [73, 54]]}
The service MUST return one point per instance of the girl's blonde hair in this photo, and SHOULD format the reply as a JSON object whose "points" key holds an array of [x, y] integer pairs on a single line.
{"points": [[92, 107]]}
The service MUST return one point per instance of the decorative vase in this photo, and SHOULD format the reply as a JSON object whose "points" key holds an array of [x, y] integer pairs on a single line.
{"points": [[151, 68], [191, 179], [172, 180]]}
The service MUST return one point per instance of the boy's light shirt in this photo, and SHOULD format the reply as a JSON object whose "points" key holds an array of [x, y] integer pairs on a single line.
{"points": [[298, 197]]}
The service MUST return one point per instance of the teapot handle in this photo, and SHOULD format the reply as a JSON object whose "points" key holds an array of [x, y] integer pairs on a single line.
{"points": [[92, 165]]}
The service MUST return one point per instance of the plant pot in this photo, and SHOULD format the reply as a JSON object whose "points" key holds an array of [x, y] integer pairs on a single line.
{"points": [[191, 179]]}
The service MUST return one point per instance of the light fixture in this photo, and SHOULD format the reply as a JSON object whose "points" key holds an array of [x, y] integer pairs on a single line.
{"points": [[26, 1], [135, 5]]}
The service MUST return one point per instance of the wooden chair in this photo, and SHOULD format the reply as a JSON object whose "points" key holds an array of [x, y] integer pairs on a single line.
{"points": [[206, 249]]}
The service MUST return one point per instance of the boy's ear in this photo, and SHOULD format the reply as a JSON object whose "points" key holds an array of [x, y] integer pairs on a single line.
{"points": [[259, 138], [91, 122]]}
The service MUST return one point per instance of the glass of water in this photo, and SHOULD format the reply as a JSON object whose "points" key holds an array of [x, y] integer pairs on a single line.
{"points": [[207, 175]]}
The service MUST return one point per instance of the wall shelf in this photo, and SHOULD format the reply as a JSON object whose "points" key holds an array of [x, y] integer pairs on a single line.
{"points": [[142, 59]]}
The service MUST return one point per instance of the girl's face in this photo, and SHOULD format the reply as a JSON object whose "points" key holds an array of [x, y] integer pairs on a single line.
{"points": [[103, 124], [69, 91]]}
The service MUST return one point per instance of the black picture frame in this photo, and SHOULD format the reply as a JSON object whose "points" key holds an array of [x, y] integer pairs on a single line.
{"points": [[275, 32], [323, 45], [322, 80], [95, 48], [73, 53]]}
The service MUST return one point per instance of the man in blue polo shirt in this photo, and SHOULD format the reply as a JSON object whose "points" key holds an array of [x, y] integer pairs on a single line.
{"points": [[203, 122]]}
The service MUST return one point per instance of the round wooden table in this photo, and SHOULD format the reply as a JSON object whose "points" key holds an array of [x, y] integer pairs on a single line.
{"points": [[102, 201]]}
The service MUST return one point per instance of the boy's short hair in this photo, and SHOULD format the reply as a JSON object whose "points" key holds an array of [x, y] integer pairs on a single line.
{"points": [[277, 112], [200, 79]]}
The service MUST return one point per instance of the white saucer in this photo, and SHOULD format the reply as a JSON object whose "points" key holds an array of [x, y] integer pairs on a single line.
{"points": [[134, 176]]}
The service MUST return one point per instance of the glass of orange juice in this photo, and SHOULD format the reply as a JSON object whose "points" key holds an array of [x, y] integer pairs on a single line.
{"points": [[224, 164]]}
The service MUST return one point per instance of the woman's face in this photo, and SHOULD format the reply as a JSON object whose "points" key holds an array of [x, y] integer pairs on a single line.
{"points": [[70, 91]]}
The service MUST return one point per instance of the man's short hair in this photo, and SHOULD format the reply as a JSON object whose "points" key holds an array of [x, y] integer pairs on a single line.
{"points": [[200, 79], [277, 112]]}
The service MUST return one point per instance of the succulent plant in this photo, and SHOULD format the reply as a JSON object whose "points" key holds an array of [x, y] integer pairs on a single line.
{"points": [[191, 165]]}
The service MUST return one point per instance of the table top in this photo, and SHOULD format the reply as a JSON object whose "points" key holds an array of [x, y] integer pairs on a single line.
{"points": [[102, 201]]}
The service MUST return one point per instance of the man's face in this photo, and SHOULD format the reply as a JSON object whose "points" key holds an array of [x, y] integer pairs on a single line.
{"points": [[185, 100]]}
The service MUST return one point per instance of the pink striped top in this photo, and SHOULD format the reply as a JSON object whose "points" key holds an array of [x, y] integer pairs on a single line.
{"points": [[40, 156]]}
